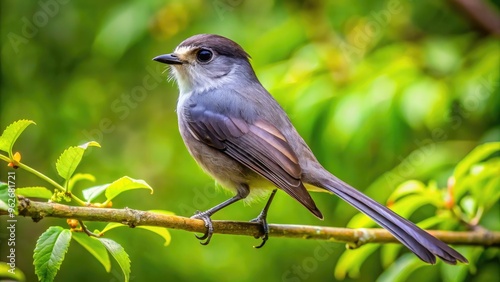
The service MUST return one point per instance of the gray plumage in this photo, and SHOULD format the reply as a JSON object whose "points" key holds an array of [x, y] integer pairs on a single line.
{"points": [[241, 136]]}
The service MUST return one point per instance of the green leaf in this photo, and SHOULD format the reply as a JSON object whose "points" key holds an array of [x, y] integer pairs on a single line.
{"points": [[124, 184], [49, 252], [469, 206], [91, 193], [11, 133], [79, 177], [360, 220], [8, 199], [162, 212], [491, 193], [95, 247], [477, 155], [459, 272], [115, 188], [389, 254], [119, 254], [70, 159], [163, 232], [405, 188], [401, 269], [35, 192], [409, 204], [112, 225], [9, 275], [350, 261], [4, 196]]}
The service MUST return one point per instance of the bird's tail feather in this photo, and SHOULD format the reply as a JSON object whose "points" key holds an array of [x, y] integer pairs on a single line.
{"points": [[424, 245]]}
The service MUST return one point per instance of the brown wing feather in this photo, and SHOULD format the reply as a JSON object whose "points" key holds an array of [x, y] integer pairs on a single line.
{"points": [[259, 146]]}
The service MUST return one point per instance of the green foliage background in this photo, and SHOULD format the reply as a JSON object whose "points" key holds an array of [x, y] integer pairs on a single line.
{"points": [[366, 84]]}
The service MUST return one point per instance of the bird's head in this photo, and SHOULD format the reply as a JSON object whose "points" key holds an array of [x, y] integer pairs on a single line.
{"points": [[206, 61]]}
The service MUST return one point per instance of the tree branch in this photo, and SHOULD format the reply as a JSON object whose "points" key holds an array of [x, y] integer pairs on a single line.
{"points": [[132, 218]]}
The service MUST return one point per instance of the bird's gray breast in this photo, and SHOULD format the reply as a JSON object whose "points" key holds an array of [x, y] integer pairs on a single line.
{"points": [[227, 171]]}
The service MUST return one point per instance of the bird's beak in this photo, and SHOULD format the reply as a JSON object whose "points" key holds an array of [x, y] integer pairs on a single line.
{"points": [[170, 59]]}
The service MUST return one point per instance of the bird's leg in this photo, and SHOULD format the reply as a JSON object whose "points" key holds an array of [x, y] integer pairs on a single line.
{"points": [[205, 216], [262, 220]]}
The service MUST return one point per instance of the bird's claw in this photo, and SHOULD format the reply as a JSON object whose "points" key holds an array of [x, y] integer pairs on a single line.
{"points": [[261, 219], [208, 224]]}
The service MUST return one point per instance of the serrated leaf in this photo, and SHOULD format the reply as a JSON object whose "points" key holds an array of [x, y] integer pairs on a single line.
{"points": [[79, 177], [16, 275], [124, 184], [119, 254], [50, 250], [95, 247], [11, 133], [161, 231], [34, 192], [91, 193], [8, 199], [70, 159]]}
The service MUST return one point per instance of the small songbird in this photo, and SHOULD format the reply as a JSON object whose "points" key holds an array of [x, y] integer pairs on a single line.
{"points": [[240, 135]]}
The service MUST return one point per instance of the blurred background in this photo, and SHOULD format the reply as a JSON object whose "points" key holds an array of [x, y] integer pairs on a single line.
{"points": [[367, 84]]}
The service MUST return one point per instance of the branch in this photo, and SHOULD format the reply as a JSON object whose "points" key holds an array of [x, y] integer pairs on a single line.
{"points": [[132, 218]]}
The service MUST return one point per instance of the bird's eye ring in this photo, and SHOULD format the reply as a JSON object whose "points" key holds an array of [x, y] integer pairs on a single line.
{"points": [[204, 55]]}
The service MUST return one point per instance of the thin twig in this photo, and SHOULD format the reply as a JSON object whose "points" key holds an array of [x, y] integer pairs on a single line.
{"points": [[132, 218], [86, 230]]}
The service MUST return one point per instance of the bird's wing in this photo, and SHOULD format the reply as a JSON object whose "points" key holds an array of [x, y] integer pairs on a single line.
{"points": [[259, 146]]}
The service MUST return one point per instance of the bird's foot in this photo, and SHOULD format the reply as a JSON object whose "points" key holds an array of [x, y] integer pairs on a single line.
{"points": [[261, 219], [205, 238]]}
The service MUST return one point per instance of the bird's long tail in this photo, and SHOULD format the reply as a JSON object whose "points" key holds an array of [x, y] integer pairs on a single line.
{"points": [[424, 245]]}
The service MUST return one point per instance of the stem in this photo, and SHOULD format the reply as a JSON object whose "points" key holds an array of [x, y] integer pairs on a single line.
{"points": [[40, 175], [86, 230], [5, 158], [44, 177]]}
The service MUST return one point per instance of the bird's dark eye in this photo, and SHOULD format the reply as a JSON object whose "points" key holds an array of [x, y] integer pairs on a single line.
{"points": [[204, 55]]}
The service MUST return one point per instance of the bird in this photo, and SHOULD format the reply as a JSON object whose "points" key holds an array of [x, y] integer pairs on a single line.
{"points": [[239, 134]]}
